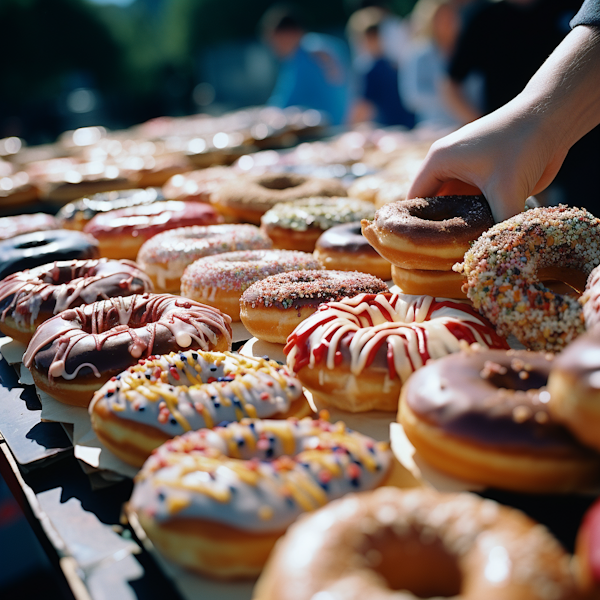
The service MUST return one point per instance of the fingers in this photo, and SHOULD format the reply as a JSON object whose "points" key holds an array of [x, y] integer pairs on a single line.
{"points": [[426, 183], [458, 188]]}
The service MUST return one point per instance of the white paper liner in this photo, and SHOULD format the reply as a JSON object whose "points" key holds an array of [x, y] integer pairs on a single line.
{"points": [[256, 348], [239, 333], [12, 351]]}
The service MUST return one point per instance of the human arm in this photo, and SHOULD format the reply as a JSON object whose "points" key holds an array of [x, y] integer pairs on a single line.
{"points": [[517, 150]]}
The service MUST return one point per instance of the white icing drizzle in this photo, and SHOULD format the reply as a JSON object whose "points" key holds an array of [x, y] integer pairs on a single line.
{"points": [[84, 330], [415, 328], [258, 475], [190, 390]]}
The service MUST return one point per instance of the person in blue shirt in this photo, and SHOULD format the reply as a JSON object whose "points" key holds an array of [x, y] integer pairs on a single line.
{"points": [[314, 70]]}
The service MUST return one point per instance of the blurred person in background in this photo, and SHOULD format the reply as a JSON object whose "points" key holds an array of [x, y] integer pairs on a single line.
{"points": [[378, 97], [435, 25], [314, 71]]}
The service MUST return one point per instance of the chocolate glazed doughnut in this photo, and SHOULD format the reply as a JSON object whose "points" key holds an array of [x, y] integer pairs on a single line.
{"points": [[482, 415], [34, 249], [74, 353], [345, 248], [428, 233]]}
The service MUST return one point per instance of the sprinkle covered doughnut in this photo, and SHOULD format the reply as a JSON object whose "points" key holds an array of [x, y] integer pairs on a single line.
{"points": [[216, 501], [12, 226], [345, 248], [248, 198], [482, 416], [29, 298], [428, 233], [357, 353], [427, 544], [166, 255], [298, 225], [74, 353], [165, 396], [220, 280], [272, 308], [502, 272], [121, 233]]}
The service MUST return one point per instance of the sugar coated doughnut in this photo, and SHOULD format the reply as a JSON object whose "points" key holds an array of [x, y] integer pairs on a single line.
{"points": [[76, 215], [41, 247], [502, 272], [250, 196], [165, 396], [121, 233], [216, 500], [166, 255], [220, 280], [427, 544], [30, 297], [344, 248], [76, 352], [11, 227], [298, 225], [428, 233], [357, 353], [272, 308], [197, 185], [447, 284], [482, 416], [587, 554], [574, 387]]}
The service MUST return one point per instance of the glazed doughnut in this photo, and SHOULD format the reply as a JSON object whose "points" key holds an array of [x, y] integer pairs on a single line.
{"points": [[215, 501], [574, 388], [298, 225], [344, 248], [41, 247], [427, 544], [30, 297], [249, 197], [446, 284], [482, 416], [197, 186], [76, 352], [121, 233], [272, 308], [428, 233], [220, 280], [76, 215], [13, 226], [166, 255], [587, 558], [165, 396], [502, 272], [357, 353]]}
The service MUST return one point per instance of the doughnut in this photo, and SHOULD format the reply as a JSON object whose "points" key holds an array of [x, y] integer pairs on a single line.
{"points": [[16, 190], [272, 308], [590, 300], [482, 416], [380, 189], [447, 284], [428, 233], [13, 226], [250, 196], [166, 255], [165, 396], [587, 557], [298, 225], [427, 544], [41, 247], [76, 352], [215, 501], [574, 387], [502, 273], [121, 233], [220, 280], [30, 297], [76, 215], [197, 185], [356, 354], [344, 248], [155, 170]]}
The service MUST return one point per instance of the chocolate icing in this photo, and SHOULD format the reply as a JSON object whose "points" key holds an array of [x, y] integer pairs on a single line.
{"points": [[491, 398], [438, 220], [347, 238], [35, 249]]}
